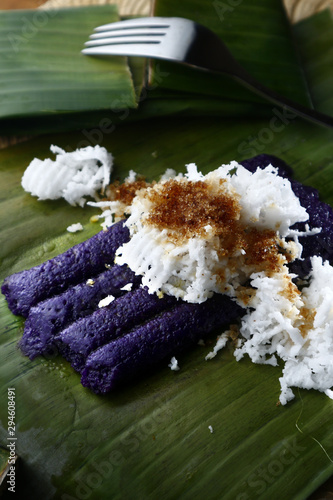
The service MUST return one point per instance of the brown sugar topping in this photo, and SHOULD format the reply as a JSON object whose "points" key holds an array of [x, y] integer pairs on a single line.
{"points": [[185, 209], [125, 192], [290, 291], [308, 316], [261, 247], [188, 208]]}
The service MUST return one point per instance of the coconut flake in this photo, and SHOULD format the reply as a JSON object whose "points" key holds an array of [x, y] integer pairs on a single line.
{"points": [[173, 365], [72, 176], [296, 327], [74, 228], [312, 367], [106, 301], [221, 342], [267, 199], [127, 288]]}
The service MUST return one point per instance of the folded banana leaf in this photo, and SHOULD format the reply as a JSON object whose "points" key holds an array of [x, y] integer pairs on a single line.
{"points": [[66, 90], [213, 429], [315, 41], [43, 75]]}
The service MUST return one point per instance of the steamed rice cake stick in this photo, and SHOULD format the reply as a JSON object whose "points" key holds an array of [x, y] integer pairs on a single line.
{"points": [[26, 288], [321, 216], [263, 160], [79, 339], [165, 335], [54, 314]]}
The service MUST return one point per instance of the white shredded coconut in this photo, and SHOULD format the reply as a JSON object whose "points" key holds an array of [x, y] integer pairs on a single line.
{"points": [[211, 429], [295, 327], [267, 199], [312, 366], [74, 228], [131, 176], [109, 209], [127, 288], [221, 342], [72, 176], [170, 173], [173, 365], [190, 270], [106, 301]]}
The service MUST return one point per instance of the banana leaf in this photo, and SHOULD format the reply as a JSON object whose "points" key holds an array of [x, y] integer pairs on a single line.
{"points": [[4, 457], [65, 91], [152, 439], [43, 73], [315, 40]]}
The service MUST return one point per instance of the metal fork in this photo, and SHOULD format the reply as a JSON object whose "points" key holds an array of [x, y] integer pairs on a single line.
{"points": [[186, 42]]}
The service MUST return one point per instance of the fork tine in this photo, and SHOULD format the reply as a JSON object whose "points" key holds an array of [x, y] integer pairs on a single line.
{"points": [[122, 40], [143, 22], [127, 33], [143, 37], [125, 49]]}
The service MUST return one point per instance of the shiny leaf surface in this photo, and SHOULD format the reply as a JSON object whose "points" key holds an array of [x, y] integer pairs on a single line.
{"points": [[43, 72]]}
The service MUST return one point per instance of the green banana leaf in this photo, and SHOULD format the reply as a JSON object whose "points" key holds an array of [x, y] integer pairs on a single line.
{"points": [[315, 40], [152, 440], [4, 458], [64, 91], [43, 72]]}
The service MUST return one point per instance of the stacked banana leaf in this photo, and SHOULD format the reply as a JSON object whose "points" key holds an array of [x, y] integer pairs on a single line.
{"points": [[212, 429]]}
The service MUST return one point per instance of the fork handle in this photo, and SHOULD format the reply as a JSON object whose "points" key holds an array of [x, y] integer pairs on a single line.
{"points": [[205, 57], [309, 114]]}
